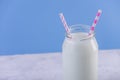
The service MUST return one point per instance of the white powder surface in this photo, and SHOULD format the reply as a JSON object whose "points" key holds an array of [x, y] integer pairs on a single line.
{"points": [[49, 66]]}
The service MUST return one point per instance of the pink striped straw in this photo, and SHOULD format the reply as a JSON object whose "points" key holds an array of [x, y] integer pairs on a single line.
{"points": [[95, 21], [64, 23]]}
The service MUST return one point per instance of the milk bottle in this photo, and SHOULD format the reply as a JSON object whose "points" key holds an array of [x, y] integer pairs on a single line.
{"points": [[80, 54]]}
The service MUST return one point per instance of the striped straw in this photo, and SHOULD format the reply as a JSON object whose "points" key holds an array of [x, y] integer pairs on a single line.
{"points": [[64, 23], [95, 21]]}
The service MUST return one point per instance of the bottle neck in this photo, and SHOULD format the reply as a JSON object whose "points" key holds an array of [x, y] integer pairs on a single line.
{"points": [[79, 32]]}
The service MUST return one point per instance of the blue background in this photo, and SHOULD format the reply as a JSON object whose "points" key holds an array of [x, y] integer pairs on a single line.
{"points": [[34, 26]]}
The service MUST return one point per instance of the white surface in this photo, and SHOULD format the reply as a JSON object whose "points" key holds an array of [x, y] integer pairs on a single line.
{"points": [[49, 66]]}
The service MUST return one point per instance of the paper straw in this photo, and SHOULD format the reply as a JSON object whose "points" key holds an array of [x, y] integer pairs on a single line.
{"points": [[95, 21], [64, 23]]}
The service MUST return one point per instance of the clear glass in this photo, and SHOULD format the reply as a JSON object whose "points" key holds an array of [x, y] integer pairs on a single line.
{"points": [[80, 28], [80, 52]]}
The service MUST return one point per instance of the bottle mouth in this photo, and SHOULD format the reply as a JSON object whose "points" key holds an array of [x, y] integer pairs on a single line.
{"points": [[79, 31], [79, 28]]}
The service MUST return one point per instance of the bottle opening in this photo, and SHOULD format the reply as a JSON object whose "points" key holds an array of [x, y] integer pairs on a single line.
{"points": [[79, 31]]}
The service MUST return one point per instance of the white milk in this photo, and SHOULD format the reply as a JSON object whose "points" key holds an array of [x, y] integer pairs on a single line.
{"points": [[80, 57]]}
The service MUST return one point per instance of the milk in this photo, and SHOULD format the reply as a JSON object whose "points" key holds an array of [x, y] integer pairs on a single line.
{"points": [[80, 57]]}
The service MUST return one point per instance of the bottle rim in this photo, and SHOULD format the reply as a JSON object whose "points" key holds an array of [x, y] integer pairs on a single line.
{"points": [[80, 28]]}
